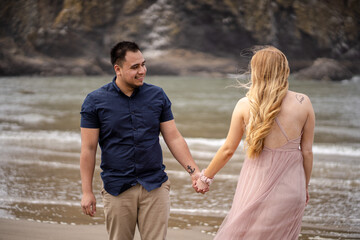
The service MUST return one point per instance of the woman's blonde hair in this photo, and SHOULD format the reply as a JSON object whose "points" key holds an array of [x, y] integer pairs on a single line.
{"points": [[269, 84]]}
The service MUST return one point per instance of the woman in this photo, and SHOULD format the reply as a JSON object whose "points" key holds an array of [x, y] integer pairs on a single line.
{"points": [[272, 190]]}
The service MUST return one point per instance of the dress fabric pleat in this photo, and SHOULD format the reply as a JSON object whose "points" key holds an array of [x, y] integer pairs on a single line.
{"points": [[270, 197]]}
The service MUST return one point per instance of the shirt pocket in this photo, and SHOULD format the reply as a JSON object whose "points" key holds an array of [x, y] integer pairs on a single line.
{"points": [[151, 117]]}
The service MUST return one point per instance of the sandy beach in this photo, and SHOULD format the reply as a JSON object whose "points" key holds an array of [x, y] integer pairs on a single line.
{"points": [[39, 162], [29, 230]]}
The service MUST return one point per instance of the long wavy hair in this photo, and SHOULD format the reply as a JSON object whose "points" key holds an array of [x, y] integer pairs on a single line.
{"points": [[269, 84]]}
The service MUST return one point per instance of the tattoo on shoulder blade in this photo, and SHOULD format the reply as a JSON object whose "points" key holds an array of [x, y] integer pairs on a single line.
{"points": [[190, 170], [300, 98]]}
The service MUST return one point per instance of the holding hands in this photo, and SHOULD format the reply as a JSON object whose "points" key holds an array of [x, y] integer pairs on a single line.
{"points": [[202, 183]]}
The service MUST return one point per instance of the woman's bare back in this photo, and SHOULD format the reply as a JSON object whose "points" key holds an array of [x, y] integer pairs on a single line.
{"points": [[292, 118]]}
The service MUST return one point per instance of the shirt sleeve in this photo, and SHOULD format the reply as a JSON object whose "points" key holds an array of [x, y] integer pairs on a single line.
{"points": [[89, 116], [166, 114]]}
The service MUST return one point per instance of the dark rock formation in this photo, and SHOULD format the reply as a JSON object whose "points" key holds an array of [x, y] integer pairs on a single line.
{"points": [[325, 69], [74, 37]]}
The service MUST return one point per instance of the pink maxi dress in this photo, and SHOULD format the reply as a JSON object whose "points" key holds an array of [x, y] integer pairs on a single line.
{"points": [[270, 197]]}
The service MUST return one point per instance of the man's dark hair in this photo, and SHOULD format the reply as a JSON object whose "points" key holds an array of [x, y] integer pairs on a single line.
{"points": [[118, 52]]}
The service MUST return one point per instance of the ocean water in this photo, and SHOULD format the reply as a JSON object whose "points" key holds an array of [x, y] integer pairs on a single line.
{"points": [[40, 149]]}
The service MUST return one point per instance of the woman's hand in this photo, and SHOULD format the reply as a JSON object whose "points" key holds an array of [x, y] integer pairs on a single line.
{"points": [[201, 186], [307, 196]]}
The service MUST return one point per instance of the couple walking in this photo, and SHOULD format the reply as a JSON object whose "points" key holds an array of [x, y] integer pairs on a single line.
{"points": [[126, 117]]}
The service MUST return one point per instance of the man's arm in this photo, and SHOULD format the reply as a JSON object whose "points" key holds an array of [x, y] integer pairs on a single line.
{"points": [[89, 141], [179, 148]]}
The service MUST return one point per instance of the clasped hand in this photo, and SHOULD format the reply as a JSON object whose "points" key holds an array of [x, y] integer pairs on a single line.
{"points": [[198, 185]]}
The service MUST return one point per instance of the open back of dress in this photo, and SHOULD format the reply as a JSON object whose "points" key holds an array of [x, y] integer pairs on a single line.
{"points": [[270, 196]]}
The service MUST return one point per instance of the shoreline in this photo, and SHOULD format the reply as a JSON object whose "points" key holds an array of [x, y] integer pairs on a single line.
{"points": [[13, 229]]}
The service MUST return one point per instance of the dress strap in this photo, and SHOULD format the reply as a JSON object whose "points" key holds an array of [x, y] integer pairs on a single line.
{"points": [[281, 128]]}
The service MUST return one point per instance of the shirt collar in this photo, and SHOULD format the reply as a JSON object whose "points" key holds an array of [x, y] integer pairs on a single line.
{"points": [[119, 90]]}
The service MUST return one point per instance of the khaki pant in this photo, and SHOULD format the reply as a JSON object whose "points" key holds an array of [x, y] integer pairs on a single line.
{"points": [[150, 210]]}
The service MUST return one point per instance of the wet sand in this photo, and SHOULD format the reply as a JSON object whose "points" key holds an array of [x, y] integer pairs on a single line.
{"points": [[22, 230]]}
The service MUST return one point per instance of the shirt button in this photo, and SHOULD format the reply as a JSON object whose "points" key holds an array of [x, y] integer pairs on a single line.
{"points": [[134, 129], [132, 113]]}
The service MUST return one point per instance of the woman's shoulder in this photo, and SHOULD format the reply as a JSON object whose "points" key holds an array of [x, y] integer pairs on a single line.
{"points": [[243, 103], [243, 107], [243, 100], [299, 97]]}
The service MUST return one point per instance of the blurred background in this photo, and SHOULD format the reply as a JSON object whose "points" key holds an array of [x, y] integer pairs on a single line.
{"points": [[74, 37], [53, 53]]}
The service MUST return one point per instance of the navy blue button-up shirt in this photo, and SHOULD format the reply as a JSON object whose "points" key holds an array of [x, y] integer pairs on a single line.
{"points": [[129, 134]]}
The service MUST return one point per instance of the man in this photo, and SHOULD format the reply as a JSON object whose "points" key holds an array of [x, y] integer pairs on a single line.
{"points": [[126, 117]]}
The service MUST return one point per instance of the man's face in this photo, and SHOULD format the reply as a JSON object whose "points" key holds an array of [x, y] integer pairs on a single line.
{"points": [[133, 70]]}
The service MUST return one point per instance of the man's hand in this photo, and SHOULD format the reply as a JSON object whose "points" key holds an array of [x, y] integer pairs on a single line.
{"points": [[201, 186], [88, 204], [198, 187], [197, 184], [194, 177]]}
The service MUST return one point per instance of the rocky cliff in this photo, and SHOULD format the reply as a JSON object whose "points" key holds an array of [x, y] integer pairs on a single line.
{"points": [[73, 37]]}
